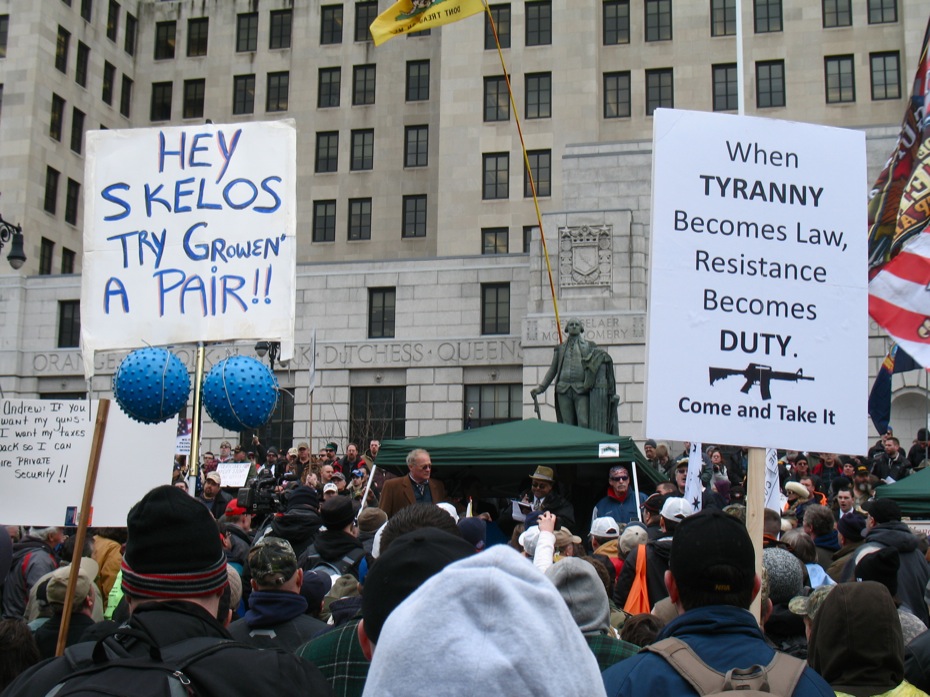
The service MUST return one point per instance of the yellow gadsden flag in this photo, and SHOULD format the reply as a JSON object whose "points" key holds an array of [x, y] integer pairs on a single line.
{"points": [[405, 16]]}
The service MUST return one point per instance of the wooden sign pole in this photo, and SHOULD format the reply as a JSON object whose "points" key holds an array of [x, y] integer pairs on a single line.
{"points": [[755, 515]]}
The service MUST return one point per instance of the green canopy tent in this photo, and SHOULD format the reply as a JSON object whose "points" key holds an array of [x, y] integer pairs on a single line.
{"points": [[911, 494], [503, 457]]}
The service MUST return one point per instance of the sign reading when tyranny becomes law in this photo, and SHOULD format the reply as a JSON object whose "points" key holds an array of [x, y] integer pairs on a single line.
{"points": [[758, 293]]}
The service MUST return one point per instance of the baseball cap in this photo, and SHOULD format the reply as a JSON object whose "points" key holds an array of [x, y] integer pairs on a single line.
{"points": [[605, 527], [332, 446], [292, 451], [883, 510], [676, 509], [654, 503], [233, 508], [58, 583], [215, 477], [329, 486], [358, 473], [808, 605], [272, 561], [712, 551], [862, 469]]}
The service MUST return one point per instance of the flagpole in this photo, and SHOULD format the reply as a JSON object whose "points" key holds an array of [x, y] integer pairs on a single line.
{"points": [[529, 170]]}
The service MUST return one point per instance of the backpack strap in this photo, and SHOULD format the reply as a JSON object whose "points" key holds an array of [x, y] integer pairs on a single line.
{"points": [[351, 559], [23, 571], [780, 676]]}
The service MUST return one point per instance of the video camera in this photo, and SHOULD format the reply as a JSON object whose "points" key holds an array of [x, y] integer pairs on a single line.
{"points": [[260, 497]]}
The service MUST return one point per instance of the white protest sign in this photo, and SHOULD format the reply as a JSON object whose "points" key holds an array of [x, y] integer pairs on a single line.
{"points": [[758, 288], [233, 473], [189, 236], [44, 453]]}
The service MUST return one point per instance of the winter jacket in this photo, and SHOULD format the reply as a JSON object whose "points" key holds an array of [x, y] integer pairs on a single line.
{"points": [[914, 572], [622, 511], [32, 559], [276, 619], [657, 554]]}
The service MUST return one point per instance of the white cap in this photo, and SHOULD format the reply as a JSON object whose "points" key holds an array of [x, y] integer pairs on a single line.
{"points": [[605, 527], [329, 486], [676, 508]]}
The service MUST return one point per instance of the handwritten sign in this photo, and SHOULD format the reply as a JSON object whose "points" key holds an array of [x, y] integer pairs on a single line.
{"points": [[189, 235], [44, 452], [758, 291], [233, 474]]}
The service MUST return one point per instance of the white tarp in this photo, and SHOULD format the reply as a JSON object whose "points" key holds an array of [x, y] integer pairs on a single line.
{"points": [[189, 235], [44, 453], [758, 288]]}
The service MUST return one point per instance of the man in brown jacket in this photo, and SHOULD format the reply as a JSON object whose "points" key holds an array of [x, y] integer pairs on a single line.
{"points": [[416, 487]]}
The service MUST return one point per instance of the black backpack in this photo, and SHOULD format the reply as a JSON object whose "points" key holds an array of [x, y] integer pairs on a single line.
{"points": [[106, 668], [311, 560]]}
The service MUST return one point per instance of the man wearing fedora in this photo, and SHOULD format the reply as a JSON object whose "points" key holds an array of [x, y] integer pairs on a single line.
{"points": [[543, 497], [417, 487]]}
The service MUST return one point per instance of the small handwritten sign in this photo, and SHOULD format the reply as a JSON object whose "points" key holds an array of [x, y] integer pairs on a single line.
{"points": [[44, 452]]}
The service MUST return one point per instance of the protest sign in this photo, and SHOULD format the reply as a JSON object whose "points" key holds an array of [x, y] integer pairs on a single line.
{"points": [[189, 236], [44, 452], [233, 474], [758, 289]]}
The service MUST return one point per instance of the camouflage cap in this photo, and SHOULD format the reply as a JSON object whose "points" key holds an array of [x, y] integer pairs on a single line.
{"points": [[272, 561], [808, 605]]}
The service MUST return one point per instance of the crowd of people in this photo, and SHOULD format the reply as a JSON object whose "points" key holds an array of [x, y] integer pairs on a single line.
{"points": [[335, 581]]}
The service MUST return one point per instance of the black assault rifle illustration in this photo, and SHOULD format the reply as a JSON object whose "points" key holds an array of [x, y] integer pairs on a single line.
{"points": [[757, 373]]}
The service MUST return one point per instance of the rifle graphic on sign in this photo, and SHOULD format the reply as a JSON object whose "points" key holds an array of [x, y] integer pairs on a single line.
{"points": [[757, 373]]}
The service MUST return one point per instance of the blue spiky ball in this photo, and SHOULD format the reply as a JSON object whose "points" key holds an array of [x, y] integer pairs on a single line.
{"points": [[151, 385], [240, 393]]}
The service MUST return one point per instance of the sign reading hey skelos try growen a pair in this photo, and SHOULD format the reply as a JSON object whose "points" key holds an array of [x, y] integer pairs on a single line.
{"points": [[758, 291]]}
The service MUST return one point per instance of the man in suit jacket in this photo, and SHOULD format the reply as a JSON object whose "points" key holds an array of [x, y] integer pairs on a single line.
{"points": [[416, 487]]}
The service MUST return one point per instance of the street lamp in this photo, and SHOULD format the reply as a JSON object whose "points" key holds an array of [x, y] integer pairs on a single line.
{"points": [[14, 235], [272, 348]]}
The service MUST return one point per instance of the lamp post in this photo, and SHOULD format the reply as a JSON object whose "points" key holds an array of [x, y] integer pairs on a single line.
{"points": [[272, 348], [14, 235]]}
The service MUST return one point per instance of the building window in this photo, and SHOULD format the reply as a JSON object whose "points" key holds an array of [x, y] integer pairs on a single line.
{"points": [[67, 260], [77, 130], [278, 88], [417, 81], [365, 14], [331, 24], [165, 35], [363, 149], [279, 35], [658, 20], [770, 84], [61, 49], [247, 32], [840, 77], [414, 216], [500, 15], [243, 94], [360, 219], [659, 90], [161, 101], [72, 196], [722, 17], [486, 405], [46, 252], [381, 307], [883, 11], [194, 91], [57, 117], [837, 13], [416, 146], [327, 151], [495, 308], [129, 41], [324, 221], [113, 20], [496, 99], [616, 22], [726, 87], [198, 31], [538, 23], [377, 413], [886, 75], [363, 85], [69, 323], [495, 240], [109, 80], [328, 87], [495, 175], [4, 33], [51, 190], [87, 9], [125, 96], [538, 95], [617, 95], [767, 15], [528, 237], [80, 64], [541, 167]]}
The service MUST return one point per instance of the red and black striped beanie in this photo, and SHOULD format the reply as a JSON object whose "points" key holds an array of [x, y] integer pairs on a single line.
{"points": [[174, 548]]}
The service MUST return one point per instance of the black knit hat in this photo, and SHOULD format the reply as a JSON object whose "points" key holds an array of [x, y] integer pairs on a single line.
{"points": [[302, 496], [174, 548], [411, 559], [337, 512]]}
